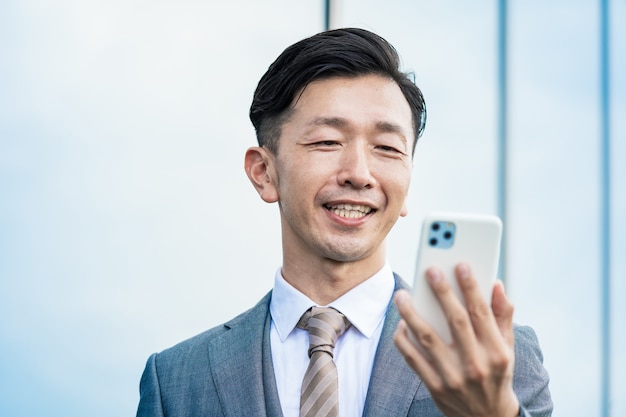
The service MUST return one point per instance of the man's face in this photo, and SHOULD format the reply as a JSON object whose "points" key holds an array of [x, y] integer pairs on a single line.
{"points": [[343, 168]]}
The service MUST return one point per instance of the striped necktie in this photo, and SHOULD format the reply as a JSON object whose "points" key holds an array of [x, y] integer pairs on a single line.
{"points": [[319, 396]]}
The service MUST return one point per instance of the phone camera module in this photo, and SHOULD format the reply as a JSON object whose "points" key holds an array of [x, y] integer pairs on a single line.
{"points": [[441, 234]]}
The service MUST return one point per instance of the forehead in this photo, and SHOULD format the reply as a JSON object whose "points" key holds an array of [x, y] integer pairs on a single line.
{"points": [[373, 90], [367, 99]]}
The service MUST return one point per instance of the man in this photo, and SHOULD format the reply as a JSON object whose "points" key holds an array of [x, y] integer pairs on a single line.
{"points": [[337, 123]]}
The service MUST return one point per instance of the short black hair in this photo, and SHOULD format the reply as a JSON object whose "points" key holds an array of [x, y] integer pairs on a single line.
{"points": [[348, 52]]}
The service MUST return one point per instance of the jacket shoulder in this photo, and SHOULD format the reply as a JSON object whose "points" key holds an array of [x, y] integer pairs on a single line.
{"points": [[180, 380], [200, 342]]}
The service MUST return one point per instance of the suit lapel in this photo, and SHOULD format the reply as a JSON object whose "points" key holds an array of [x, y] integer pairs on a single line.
{"points": [[236, 359], [269, 379], [393, 384]]}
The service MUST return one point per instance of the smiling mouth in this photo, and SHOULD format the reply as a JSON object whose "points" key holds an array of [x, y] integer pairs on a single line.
{"points": [[350, 211]]}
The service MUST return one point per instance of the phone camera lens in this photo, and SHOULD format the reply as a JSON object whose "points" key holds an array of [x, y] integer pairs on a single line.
{"points": [[433, 242], [447, 235], [435, 226]]}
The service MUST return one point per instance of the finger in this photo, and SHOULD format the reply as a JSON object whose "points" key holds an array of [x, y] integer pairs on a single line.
{"points": [[503, 312], [413, 357], [421, 331], [428, 354], [478, 309], [456, 314], [499, 351]]}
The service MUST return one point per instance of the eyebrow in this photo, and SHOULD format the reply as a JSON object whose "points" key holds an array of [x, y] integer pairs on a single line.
{"points": [[381, 126], [328, 121], [389, 127]]}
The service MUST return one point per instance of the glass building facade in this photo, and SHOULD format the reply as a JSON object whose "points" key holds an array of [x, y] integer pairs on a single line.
{"points": [[125, 212]]}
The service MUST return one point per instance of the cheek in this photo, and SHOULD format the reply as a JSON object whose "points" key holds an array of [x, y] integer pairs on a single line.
{"points": [[398, 191], [296, 184], [397, 180]]}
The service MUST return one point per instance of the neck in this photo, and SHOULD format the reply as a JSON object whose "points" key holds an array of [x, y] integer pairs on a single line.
{"points": [[327, 280]]}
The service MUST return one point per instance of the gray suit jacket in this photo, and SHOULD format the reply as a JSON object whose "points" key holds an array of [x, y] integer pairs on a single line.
{"points": [[227, 371]]}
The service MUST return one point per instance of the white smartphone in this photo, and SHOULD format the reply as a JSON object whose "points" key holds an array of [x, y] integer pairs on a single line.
{"points": [[446, 240]]}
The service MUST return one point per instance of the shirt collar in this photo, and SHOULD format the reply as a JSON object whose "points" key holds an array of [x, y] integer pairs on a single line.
{"points": [[365, 305]]}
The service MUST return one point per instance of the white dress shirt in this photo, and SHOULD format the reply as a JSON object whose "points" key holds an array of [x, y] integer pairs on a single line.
{"points": [[365, 306]]}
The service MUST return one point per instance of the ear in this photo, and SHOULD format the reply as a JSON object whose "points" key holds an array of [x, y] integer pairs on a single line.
{"points": [[259, 166]]}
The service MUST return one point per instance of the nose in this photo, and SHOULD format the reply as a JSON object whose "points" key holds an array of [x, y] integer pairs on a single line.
{"points": [[355, 168]]}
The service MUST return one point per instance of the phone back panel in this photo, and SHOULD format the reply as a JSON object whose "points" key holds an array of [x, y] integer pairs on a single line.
{"points": [[475, 240]]}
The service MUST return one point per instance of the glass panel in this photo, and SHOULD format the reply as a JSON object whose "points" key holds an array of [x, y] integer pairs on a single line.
{"points": [[450, 47], [124, 207], [554, 154], [617, 11]]}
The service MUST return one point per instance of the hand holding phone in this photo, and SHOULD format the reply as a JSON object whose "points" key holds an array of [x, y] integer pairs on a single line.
{"points": [[446, 240]]}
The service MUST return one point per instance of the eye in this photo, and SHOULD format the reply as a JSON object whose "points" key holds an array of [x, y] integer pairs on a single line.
{"points": [[390, 149], [325, 144]]}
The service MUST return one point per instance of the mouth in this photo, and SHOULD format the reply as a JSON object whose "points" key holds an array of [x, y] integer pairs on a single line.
{"points": [[350, 211]]}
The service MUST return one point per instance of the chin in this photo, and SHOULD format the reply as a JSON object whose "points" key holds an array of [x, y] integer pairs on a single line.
{"points": [[346, 253]]}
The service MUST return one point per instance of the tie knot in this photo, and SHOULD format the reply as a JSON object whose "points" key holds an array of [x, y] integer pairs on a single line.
{"points": [[325, 326]]}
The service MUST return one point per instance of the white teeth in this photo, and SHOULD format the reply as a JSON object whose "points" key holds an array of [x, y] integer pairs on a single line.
{"points": [[351, 211]]}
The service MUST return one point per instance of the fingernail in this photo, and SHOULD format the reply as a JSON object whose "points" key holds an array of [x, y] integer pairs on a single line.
{"points": [[400, 298], [463, 271], [433, 275]]}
